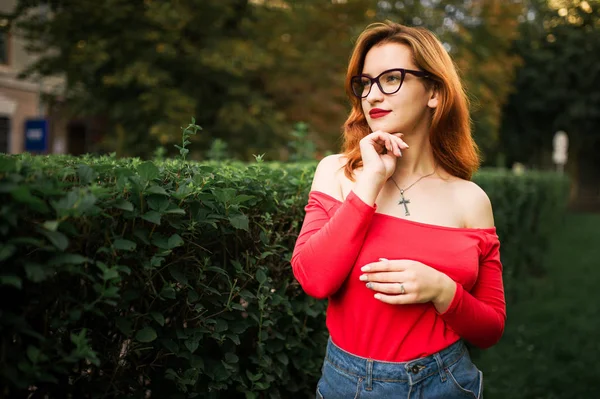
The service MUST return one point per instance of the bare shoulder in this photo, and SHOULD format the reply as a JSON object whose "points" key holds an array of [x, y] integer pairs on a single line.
{"points": [[327, 175], [476, 205]]}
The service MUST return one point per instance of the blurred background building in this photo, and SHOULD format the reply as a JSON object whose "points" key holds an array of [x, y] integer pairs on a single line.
{"points": [[32, 117]]}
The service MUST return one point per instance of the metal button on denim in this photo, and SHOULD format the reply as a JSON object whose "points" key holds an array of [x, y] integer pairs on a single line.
{"points": [[415, 369]]}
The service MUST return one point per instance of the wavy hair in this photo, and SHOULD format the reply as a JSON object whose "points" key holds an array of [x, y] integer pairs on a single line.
{"points": [[450, 129]]}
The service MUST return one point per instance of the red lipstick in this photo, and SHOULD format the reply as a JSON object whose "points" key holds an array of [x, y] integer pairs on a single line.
{"points": [[378, 113]]}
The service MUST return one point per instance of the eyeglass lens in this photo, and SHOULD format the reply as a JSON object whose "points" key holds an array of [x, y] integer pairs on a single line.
{"points": [[389, 83]]}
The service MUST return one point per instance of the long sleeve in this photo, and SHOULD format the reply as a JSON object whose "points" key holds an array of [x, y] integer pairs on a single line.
{"points": [[479, 315], [327, 247]]}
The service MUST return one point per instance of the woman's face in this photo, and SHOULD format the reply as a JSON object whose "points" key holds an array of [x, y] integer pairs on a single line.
{"points": [[405, 111]]}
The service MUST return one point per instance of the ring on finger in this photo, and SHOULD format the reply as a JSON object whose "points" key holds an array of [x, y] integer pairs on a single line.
{"points": [[402, 290]]}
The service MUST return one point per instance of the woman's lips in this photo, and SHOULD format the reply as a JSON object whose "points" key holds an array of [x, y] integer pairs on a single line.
{"points": [[378, 113]]}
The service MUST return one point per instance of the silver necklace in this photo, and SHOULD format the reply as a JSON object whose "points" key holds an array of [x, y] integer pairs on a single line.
{"points": [[405, 201]]}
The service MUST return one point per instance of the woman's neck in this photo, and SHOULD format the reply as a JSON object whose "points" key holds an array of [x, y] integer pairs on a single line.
{"points": [[418, 160]]}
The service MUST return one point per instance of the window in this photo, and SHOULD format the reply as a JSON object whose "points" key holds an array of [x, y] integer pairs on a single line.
{"points": [[3, 47], [4, 132]]}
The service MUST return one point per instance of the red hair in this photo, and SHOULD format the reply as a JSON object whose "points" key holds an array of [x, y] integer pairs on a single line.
{"points": [[450, 130]]}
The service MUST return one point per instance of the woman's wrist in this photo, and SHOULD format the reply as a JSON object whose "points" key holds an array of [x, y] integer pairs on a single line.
{"points": [[368, 186], [447, 290]]}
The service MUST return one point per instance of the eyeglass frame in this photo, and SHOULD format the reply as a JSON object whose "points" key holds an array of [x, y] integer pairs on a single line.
{"points": [[403, 72]]}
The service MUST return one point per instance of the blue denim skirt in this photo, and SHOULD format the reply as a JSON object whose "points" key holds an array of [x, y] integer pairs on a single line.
{"points": [[448, 374]]}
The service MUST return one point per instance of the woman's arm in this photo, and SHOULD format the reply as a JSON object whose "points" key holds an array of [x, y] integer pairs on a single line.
{"points": [[328, 245], [478, 316]]}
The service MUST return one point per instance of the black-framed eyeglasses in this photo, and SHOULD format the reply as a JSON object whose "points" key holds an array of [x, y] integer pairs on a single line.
{"points": [[389, 81]]}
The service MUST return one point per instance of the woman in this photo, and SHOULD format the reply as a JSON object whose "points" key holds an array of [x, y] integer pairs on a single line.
{"points": [[397, 236]]}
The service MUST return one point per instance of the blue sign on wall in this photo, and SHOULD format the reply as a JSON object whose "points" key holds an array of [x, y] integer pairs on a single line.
{"points": [[36, 135]]}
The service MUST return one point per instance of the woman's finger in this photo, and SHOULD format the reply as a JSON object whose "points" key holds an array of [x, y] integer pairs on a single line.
{"points": [[388, 288], [405, 299], [383, 277]]}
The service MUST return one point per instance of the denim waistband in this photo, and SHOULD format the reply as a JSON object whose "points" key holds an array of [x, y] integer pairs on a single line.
{"points": [[412, 371]]}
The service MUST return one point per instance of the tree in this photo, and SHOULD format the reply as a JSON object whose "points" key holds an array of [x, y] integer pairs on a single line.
{"points": [[478, 35], [558, 86], [248, 70], [148, 66]]}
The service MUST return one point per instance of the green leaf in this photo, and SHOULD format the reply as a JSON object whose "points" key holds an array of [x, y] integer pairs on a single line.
{"points": [[11, 280], [8, 164], [158, 317], [152, 217], [261, 277], [33, 354], [231, 358], [176, 211], [167, 292], [68, 259], [156, 190], [58, 239], [6, 251], [124, 245], [224, 195], [51, 225], [239, 221], [221, 326], [23, 195], [148, 171], [242, 198], [158, 203], [283, 358], [146, 334], [170, 345], [182, 192], [192, 344], [179, 276], [253, 377], [36, 272], [124, 205], [86, 174], [124, 325], [197, 362], [175, 241]]}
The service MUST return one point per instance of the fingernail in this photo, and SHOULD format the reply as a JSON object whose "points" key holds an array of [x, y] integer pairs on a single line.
{"points": [[369, 285], [365, 269], [377, 296], [383, 260], [363, 277]]}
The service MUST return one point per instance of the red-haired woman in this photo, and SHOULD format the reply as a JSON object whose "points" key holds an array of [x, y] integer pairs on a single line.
{"points": [[397, 236]]}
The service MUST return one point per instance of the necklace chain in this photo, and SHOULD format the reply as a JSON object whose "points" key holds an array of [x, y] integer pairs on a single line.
{"points": [[402, 190], [406, 201]]}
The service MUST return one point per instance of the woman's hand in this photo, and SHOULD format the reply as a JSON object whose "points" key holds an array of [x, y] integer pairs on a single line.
{"points": [[379, 152], [403, 281]]}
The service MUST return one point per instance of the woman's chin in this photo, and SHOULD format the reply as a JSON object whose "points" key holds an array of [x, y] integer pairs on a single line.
{"points": [[376, 125]]}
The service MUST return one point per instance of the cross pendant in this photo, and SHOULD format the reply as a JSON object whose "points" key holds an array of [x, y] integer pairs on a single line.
{"points": [[404, 201]]}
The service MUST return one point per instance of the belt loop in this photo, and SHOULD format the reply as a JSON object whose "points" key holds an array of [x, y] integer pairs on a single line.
{"points": [[369, 381], [440, 364]]}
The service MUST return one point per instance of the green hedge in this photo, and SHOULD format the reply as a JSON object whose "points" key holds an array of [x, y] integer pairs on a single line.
{"points": [[125, 277]]}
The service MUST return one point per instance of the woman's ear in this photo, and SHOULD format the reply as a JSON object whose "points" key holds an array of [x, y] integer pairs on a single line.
{"points": [[433, 99]]}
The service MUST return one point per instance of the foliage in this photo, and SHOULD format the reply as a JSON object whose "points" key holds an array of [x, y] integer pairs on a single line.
{"points": [[553, 328], [168, 64], [190, 130], [127, 276], [302, 148], [478, 35], [171, 277], [256, 69], [558, 86]]}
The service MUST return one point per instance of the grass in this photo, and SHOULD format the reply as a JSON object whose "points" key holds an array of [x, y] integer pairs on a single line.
{"points": [[551, 345]]}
